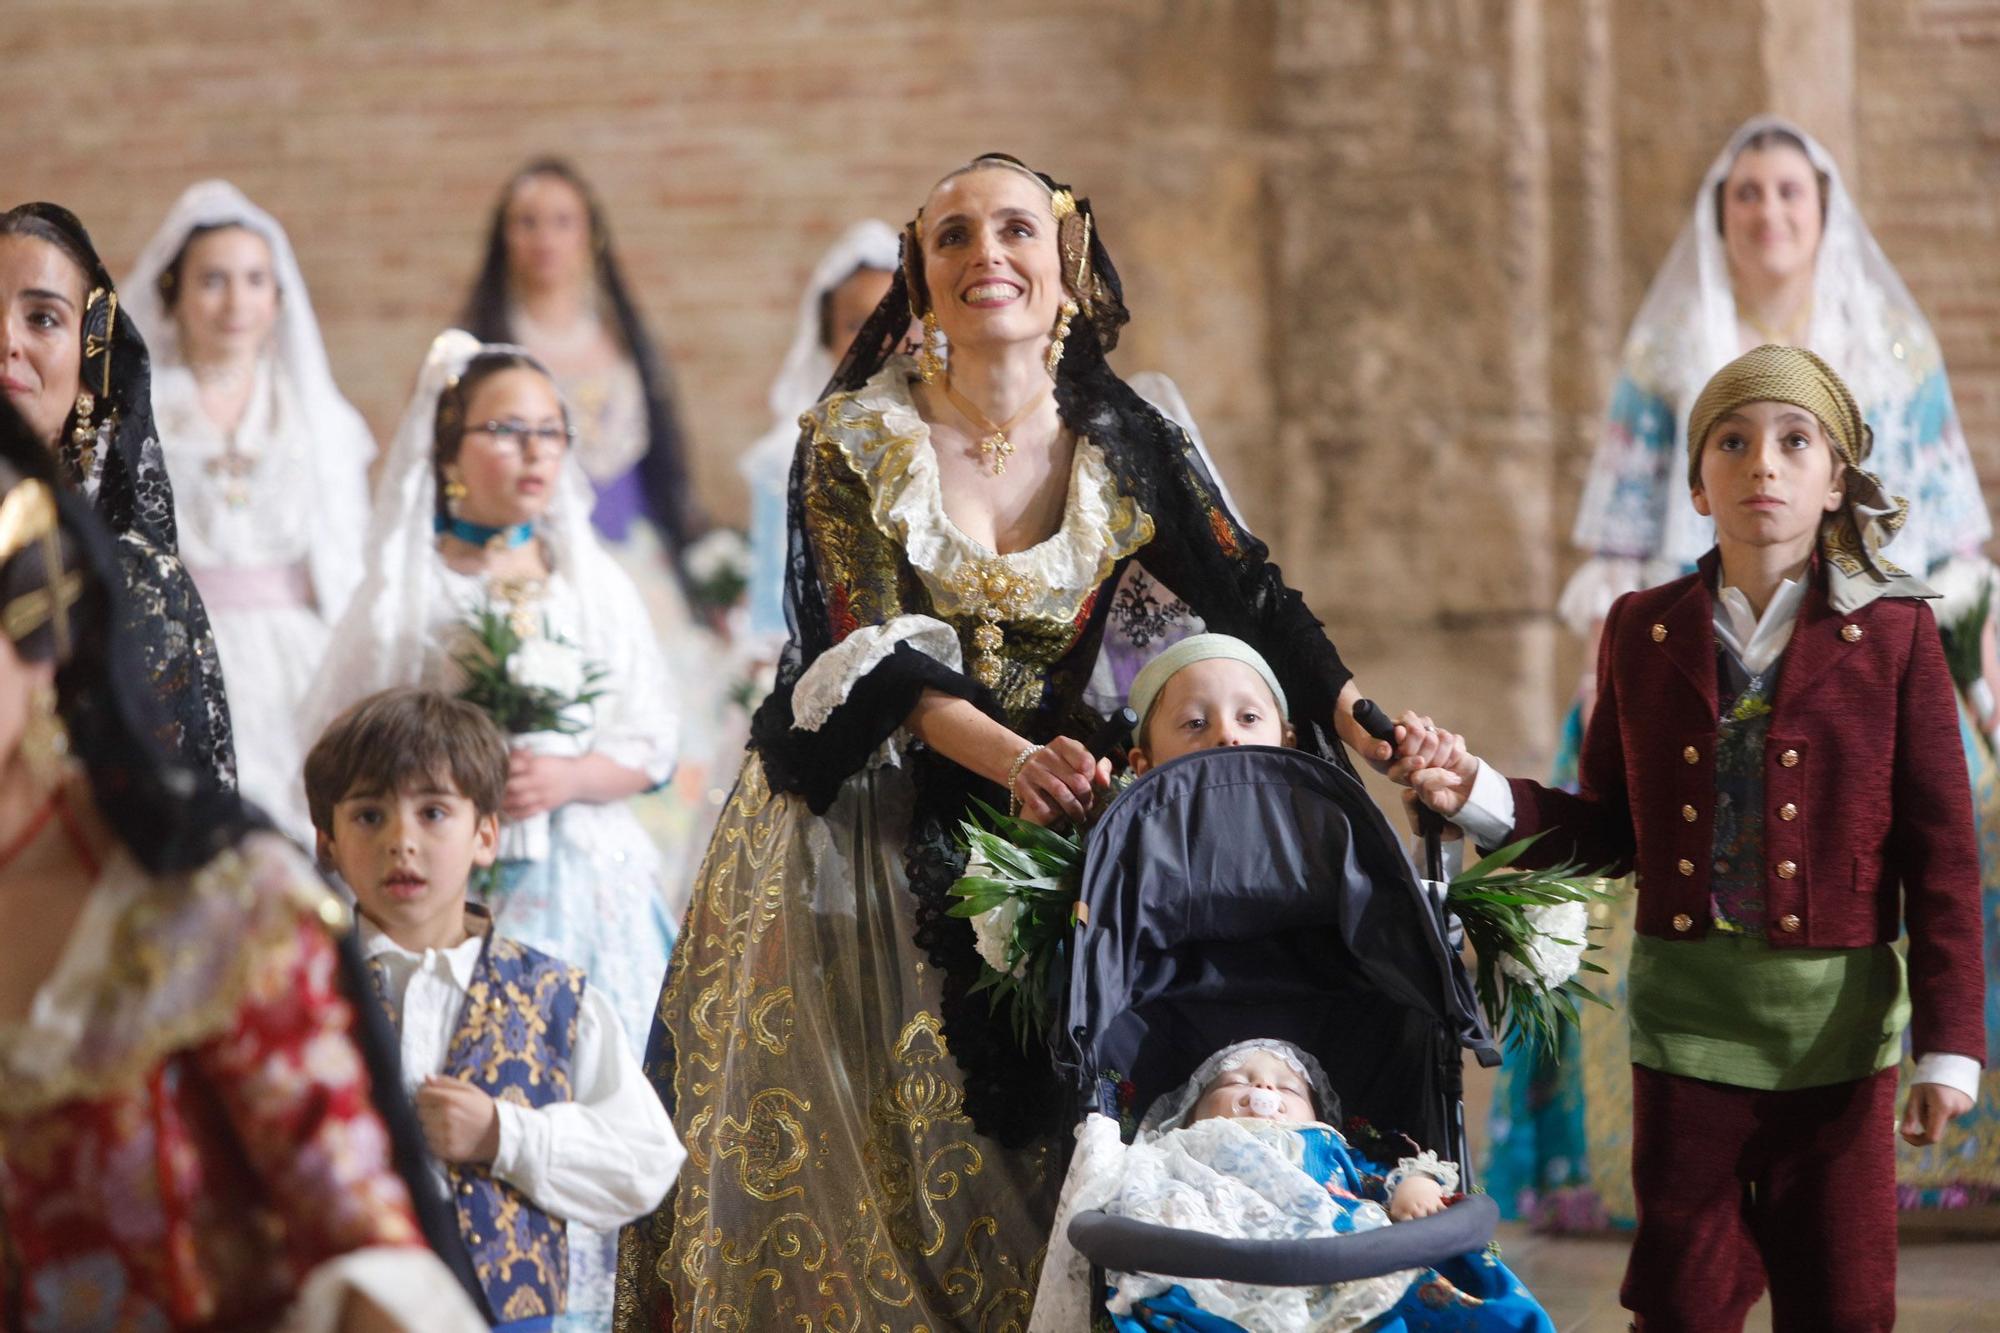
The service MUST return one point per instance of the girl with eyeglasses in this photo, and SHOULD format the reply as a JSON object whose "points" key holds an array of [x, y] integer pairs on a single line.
{"points": [[482, 520]]}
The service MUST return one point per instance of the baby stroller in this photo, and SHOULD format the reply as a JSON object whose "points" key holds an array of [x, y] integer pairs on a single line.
{"points": [[1256, 892]]}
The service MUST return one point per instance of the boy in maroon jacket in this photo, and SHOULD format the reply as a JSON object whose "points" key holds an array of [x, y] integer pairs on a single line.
{"points": [[1775, 755]]}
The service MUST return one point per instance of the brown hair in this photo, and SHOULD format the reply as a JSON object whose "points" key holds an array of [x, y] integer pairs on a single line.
{"points": [[400, 736], [1762, 141], [168, 284]]}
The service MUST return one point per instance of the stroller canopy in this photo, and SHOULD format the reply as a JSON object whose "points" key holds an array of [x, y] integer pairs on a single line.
{"points": [[1256, 892]]}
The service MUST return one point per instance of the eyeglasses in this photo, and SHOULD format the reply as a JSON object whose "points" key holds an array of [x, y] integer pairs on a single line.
{"points": [[520, 433]]}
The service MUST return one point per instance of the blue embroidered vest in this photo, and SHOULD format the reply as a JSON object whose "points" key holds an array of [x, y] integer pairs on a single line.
{"points": [[516, 1040]]}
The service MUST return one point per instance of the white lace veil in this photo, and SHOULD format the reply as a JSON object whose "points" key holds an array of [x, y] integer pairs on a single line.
{"points": [[870, 243], [381, 640], [341, 442], [1170, 1110], [1864, 324]]}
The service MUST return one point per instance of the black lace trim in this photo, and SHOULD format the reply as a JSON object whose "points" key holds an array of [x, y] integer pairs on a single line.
{"points": [[1014, 1096], [813, 764]]}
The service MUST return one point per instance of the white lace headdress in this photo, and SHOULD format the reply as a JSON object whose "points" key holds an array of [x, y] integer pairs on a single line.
{"points": [[1864, 324], [341, 442], [871, 244], [1171, 1110], [380, 642]]}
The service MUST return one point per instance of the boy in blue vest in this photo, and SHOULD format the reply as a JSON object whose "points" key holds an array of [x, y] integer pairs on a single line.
{"points": [[533, 1107]]}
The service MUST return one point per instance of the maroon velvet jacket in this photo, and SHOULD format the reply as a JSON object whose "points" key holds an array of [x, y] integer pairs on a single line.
{"points": [[1864, 780]]}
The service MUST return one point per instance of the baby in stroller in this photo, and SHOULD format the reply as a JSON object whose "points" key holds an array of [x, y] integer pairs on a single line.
{"points": [[1244, 1149]]}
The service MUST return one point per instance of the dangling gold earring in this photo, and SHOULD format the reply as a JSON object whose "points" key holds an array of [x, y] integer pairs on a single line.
{"points": [[44, 739], [1066, 312], [454, 491], [930, 361]]}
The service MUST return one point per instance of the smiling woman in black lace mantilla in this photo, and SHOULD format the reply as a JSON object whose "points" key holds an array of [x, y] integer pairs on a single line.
{"points": [[867, 1147]]}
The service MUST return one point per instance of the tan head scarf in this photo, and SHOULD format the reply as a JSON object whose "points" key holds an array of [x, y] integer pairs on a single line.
{"points": [[1852, 537]]}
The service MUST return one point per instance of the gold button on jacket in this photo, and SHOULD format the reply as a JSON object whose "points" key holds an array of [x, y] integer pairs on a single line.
{"points": [[1790, 759], [1851, 633], [1789, 923], [1788, 811], [1787, 869], [1688, 813], [1692, 755], [1659, 634], [1683, 922], [1686, 866]]}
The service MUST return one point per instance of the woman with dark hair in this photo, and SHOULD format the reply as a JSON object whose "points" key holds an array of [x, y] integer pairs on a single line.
{"points": [[189, 1136], [551, 283], [1774, 250], [867, 1144], [73, 364], [269, 465]]}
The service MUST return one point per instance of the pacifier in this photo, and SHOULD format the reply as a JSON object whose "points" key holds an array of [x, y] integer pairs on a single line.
{"points": [[1265, 1103]]}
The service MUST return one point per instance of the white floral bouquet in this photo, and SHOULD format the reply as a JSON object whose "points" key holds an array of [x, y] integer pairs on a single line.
{"points": [[1530, 930], [1019, 890], [538, 689], [717, 565], [526, 683]]}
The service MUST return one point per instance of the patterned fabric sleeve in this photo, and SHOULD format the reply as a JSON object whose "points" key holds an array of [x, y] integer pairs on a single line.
{"points": [[1947, 491], [862, 581], [1632, 476], [291, 1081]]}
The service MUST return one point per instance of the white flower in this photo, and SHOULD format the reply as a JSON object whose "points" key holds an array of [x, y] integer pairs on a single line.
{"points": [[993, 935], [719, 553], [1555, 945], [544, 664]]}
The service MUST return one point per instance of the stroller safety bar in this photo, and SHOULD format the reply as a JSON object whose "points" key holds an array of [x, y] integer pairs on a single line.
{"points": [[1122, 1245]]}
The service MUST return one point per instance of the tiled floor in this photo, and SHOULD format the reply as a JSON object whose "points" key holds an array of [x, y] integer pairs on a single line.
{"points": [[1948, 1281]]}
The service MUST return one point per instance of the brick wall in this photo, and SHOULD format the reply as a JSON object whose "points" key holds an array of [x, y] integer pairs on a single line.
{"points": [[1387, 246]]}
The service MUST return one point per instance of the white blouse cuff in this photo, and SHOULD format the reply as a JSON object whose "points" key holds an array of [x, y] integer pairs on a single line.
{"points": [[832, 676], [1487, 816], [409, 1284], [1959, 1072]]}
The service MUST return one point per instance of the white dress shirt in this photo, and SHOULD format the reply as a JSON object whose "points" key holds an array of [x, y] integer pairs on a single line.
{"points": [[601, 1159], [1757, 641]]}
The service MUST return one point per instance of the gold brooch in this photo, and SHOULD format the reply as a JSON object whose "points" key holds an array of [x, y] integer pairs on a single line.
{"points": [[994, 593]]}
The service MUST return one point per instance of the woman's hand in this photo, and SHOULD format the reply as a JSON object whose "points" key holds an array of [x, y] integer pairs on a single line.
{"points": [[1444, 785], [537, 783], [1417, 1196], [1060, 780], [1419, 744]]}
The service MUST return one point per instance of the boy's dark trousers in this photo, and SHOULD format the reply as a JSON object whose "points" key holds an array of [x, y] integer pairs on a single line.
{"points": [[1734, 1185]]}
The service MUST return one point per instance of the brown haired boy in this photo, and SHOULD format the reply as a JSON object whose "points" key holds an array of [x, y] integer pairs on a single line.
{"points": [[535, 1111]]}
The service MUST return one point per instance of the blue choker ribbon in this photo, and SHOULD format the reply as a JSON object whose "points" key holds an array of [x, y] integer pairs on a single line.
{"points": [[478, 534]]}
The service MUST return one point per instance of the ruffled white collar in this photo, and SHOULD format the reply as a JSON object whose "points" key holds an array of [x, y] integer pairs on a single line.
{"points": [[888, 445]]}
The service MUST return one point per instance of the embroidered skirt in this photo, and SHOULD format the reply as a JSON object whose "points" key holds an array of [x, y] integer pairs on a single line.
{"points": [[833, 1178]]}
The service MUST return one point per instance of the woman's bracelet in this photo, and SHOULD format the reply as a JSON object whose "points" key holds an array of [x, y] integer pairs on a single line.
{"points": [[1014, 776]]}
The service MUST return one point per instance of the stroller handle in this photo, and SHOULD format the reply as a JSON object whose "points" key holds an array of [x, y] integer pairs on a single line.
{"points": [[1123, 1245]]}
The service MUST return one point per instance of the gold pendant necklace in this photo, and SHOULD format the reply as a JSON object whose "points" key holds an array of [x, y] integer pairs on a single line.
{"points": [[994, 446]]}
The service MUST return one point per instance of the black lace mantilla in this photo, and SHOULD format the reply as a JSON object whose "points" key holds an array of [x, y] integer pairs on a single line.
{"points": [[1199, 550]]}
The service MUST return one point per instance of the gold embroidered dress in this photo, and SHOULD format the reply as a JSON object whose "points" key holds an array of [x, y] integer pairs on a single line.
{"points": [[834, 1179]]}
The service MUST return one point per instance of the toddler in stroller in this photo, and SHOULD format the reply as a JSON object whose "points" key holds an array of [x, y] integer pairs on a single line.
{"points": [[1241, 890]]}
